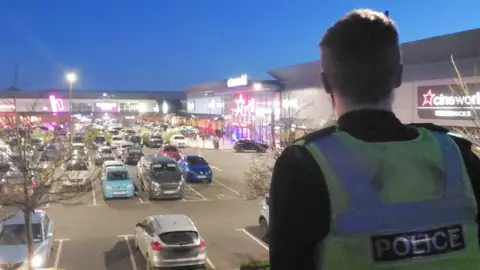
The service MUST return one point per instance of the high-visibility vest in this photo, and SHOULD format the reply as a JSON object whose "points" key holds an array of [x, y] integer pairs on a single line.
{"points": [[398, 205]]}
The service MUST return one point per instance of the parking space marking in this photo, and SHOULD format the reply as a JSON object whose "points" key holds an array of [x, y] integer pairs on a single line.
{"points": [[216, 168], [206, 200], [229, 188], [210, 264], [253, 237], [130, 250], [59, 251], [196, 192]]}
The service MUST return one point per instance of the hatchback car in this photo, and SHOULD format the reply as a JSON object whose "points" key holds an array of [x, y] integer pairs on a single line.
{"points": [[170, 241], [13, 241], [196, 169], [170, 151], [250, 146], [117, 183]]}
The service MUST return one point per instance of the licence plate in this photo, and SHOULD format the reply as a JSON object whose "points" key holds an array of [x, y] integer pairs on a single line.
{"points": [[120, 193], [170, 192], [201, 176]]}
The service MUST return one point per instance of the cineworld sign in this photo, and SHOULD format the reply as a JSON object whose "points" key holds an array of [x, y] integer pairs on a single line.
{"points": [[448, 102]]}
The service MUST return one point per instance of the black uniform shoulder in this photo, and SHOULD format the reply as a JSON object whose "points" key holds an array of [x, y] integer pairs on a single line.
{"points": [[310, 137], [461, 142]]}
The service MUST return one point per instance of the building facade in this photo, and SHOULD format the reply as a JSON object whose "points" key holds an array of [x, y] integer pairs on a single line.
{"points": [[430, 92]]}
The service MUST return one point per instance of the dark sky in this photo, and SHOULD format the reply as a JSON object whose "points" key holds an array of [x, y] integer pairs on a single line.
{"points": [[171, 44]]}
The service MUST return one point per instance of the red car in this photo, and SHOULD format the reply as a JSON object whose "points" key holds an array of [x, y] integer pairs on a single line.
{"points": [[171, 151]]}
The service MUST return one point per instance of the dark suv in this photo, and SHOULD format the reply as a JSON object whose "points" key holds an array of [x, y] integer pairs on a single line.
{"points": [[250, 146], [154, 140]]}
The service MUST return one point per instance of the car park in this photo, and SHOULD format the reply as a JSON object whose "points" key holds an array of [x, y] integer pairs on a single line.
{"points": [[131, 155], [170, 241], [196, 169], [178, 141], [13, 241], [154, 140], [121, 148], [104, 153], [78, 174], [170, 151], [160, 177], [250, 146], [116, 182], [263, 219]]}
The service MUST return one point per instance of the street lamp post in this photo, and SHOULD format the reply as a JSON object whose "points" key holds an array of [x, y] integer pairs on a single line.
{"points": [[71, 78]]}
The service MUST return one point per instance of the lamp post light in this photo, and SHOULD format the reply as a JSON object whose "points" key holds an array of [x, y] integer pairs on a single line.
{"points": [[71, 78]]}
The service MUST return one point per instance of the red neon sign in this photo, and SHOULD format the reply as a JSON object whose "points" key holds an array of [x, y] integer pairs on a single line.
{"points": [[244, 107]]}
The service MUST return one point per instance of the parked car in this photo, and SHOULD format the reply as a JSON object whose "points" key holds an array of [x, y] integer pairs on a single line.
{"points": [[154, 140], [121, 148], [160, 177], [104, 153], [38, 144], [116, 141], [13, 241], [99, 141], [116, 182], [171, 151], [196, 169], [131, 155], [79, 139], [12, 185], [136, 140], [78, 174], [112, 163], [178, 141], [170, 241], [263, 220], [250, 146]]}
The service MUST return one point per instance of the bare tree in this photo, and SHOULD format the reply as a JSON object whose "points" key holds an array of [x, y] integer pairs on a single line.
{"points": [[32, 179], [259, 173]]}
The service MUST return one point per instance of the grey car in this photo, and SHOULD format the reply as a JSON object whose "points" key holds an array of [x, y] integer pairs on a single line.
{"points": [[13, 245], [170, 241]]}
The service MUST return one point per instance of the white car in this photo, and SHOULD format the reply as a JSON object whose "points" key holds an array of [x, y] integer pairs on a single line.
{"points": [[116, 142], [178, 141], [78, 174], [112, 163], [263, 220], [121, 148]]}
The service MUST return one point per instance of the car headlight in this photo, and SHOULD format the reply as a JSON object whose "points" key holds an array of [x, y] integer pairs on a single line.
{"points": [[37, 261], [108, 187], [130, 186], [209, 171]]}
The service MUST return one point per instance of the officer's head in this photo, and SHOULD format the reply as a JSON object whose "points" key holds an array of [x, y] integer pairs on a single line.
{"points": [[361, 62]]}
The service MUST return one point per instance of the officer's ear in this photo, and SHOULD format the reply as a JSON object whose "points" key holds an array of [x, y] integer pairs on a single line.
{"points": [[326, 84]]}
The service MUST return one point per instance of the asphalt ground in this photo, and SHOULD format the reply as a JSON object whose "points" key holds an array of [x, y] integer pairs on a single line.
{"points": [[92, 233]]}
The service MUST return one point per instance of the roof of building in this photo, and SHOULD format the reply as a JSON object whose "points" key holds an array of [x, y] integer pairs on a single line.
{"points": [[222, 86], [90, 94], [461, 45]]}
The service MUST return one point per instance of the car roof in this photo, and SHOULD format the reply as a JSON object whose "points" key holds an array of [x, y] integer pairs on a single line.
{"points": [[117, 169], [160, 159], [19, 217], [105, 147], [174, 223], [112, 163], [194, 156], [78, 144]]}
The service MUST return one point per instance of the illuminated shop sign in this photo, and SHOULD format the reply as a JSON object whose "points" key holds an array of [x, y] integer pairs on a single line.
{"points": [[240, 81], [56, 104], [448, 102], [244, 107], [7, 107], [106, 106]]}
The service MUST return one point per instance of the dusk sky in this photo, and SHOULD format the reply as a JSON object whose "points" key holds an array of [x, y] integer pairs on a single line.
{"points": [[172, 44]]}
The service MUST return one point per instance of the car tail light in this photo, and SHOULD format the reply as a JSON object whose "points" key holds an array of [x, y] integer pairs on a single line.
{"points": [[202, 243], [34, 185], [156, 246]]}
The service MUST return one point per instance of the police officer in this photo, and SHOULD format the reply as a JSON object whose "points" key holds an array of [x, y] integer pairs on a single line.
{"points": [[370, 192]]}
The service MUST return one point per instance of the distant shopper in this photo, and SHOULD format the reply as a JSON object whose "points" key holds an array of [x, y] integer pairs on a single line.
{"points": [[370, 192]]}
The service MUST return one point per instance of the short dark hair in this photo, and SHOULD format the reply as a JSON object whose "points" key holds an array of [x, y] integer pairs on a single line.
{"points": [[364, 53]]}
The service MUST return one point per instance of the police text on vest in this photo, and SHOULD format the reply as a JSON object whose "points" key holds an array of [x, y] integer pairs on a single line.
{"points": [[408, 245]]}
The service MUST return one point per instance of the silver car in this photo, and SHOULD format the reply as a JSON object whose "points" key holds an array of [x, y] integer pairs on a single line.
{"points": [[170, 241], [13, 244]]}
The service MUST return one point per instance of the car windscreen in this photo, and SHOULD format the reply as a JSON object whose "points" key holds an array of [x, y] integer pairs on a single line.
{"points": [[193, 161], [112, 166], [156, 137], [136, 139], [78, 139], [126, 145], [36, 141], [170, 149], [179, 238], [164, 167], [99, 139], [106, 151], [77, 166], [15, 234], [134, 150], [117, 175], [116, 139], [78, 147], [178, 137]]}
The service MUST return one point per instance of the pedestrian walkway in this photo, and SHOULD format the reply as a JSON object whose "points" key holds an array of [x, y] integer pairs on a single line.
{"points": [[208, 144]]}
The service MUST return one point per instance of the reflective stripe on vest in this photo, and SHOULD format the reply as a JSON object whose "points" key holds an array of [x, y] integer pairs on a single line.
{"points": [[453, 207]]}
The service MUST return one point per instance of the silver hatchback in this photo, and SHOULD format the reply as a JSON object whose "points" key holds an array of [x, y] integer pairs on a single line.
{"points": [[170, 241]]}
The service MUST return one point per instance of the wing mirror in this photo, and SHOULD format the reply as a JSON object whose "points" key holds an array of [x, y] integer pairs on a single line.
{"points": [[139, 225]]}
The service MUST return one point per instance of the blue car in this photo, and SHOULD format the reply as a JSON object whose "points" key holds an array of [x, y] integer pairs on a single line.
{"points": [[196, 169], [117, 183]]}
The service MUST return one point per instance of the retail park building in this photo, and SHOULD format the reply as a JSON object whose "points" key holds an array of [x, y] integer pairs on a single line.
{"points": [[430, 92]]}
